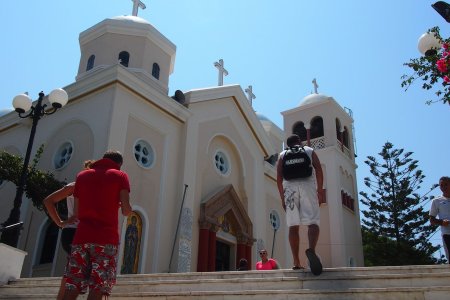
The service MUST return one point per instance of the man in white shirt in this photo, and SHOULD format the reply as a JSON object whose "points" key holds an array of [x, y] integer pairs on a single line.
{"points": [[440, 207]]}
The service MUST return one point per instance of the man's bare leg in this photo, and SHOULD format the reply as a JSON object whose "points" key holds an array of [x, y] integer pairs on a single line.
{"points": [[62, 288], [313, 236], [96, 295], [294, 241], [70, 294], [314, 260]]}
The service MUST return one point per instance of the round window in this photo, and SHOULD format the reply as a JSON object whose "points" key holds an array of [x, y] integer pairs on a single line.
{"points": [[221, 162], [144, 154], [63, 155]]}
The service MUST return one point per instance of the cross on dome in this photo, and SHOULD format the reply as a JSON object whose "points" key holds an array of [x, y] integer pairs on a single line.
{"points": [[314, 82], [136, 5], [222, 71], [250, 95]]}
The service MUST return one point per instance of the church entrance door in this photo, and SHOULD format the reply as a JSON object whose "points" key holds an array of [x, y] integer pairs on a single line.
{"points": [[223, 214], [222, 256]]}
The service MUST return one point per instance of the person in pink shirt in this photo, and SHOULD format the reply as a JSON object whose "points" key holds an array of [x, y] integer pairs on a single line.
{"points": [[266, 263]]}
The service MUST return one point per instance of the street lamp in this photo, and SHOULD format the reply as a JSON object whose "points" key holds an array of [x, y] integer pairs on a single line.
{"points": [[22, 104], [429, 44]]}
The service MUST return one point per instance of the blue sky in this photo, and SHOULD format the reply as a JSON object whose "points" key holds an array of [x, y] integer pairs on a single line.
{"points": [[355, 49]]}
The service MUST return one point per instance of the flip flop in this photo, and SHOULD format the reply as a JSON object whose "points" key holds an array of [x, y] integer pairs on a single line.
{"points": [[314, 262], [298, 268]]}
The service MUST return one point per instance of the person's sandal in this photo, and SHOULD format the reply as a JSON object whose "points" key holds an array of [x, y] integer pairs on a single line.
{"points": [[298, 268], [314, 262]]}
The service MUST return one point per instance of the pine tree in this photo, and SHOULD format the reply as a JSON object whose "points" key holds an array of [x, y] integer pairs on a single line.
{"points": [[396, 228]]}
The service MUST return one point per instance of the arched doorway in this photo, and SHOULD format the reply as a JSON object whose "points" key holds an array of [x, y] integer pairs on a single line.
{"points": [[223, 211]]}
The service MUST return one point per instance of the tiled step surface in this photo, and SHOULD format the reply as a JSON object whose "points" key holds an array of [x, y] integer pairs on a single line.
{"points": [[406, 282]]}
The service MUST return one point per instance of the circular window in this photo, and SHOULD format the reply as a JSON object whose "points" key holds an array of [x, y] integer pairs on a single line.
{"points": [[144, 154], [63, 155], [221, 162], [274, 220]]}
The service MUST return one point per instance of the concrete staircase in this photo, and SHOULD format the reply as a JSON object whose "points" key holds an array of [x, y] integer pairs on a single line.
{"points": [[406, 282]]}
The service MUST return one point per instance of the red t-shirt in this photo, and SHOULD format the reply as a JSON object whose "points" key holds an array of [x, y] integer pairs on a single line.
{"points": [[268, 265], [98, 192]]}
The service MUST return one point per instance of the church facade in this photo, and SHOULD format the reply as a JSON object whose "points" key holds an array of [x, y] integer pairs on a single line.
{"points": [[201, 163]]}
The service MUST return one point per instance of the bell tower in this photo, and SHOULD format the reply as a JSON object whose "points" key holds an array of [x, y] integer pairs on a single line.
{"points": [[328, 128]]}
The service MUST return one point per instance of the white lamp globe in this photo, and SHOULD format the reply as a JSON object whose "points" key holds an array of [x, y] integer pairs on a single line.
{"points": [[428, 44], [22, 103], [58, 98]]}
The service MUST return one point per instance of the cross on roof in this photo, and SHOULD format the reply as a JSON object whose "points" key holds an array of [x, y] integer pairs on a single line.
{"points": [[314, 82], [136, 5], [222, 71], [250, 95]]}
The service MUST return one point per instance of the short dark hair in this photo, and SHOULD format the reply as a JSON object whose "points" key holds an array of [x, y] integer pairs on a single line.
{"points": [[445, 178], [243, 262], [293, 140], [113, 155]]}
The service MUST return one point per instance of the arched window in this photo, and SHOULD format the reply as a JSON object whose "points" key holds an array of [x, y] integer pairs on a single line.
{"points": [[316, 127], [338, 129], [345, 140], [155, 70], [124, 58], [300, 130], [49, 243], [90, 62], [132, 247]]}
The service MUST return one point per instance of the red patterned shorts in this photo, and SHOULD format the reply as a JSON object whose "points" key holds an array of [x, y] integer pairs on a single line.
{"points": [[91, 265]]}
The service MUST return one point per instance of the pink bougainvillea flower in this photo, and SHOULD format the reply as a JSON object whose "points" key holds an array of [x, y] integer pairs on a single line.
{"points": [[446, 79], [441, 65], [445, 46]]}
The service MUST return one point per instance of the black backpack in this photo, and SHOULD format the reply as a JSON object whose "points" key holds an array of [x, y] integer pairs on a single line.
{"points": [[296, 163]]}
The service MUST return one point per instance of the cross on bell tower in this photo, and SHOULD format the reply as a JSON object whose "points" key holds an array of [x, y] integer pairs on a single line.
{"points": [[136, 5]]}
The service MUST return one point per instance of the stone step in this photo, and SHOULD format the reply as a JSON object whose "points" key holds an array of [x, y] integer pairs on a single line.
{"points": [[428, 293], [420, 282], [434, 269], [256, 284]]}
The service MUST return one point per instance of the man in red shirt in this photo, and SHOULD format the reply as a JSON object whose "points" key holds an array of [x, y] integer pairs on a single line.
{"points": [[99, 193]]}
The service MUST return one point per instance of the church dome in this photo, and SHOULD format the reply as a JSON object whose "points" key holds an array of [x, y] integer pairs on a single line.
{"points": [[262, 117], [131, 19], [132, 42], [314, 99]]}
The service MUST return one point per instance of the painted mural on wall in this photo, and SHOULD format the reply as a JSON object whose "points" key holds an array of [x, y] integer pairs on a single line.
{"points": [[132, 244]]}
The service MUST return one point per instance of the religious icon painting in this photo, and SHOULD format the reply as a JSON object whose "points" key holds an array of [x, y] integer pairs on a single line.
{"points": [[132, 244]]}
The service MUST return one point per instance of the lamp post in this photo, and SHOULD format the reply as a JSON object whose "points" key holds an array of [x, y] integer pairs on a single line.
{"points": [[428, 42], [22, 103]]}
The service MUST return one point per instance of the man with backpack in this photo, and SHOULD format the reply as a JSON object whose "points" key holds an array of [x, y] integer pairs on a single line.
{"points": [[301, 195]]}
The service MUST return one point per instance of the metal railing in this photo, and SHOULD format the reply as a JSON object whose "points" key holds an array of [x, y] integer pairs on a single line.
{"points": [[12, 226]]}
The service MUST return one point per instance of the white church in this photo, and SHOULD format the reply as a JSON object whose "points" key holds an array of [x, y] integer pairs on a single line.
{"points": [[201, 163]]}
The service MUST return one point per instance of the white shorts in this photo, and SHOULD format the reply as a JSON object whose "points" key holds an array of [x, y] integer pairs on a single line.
{"points": [[302, 204]]}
